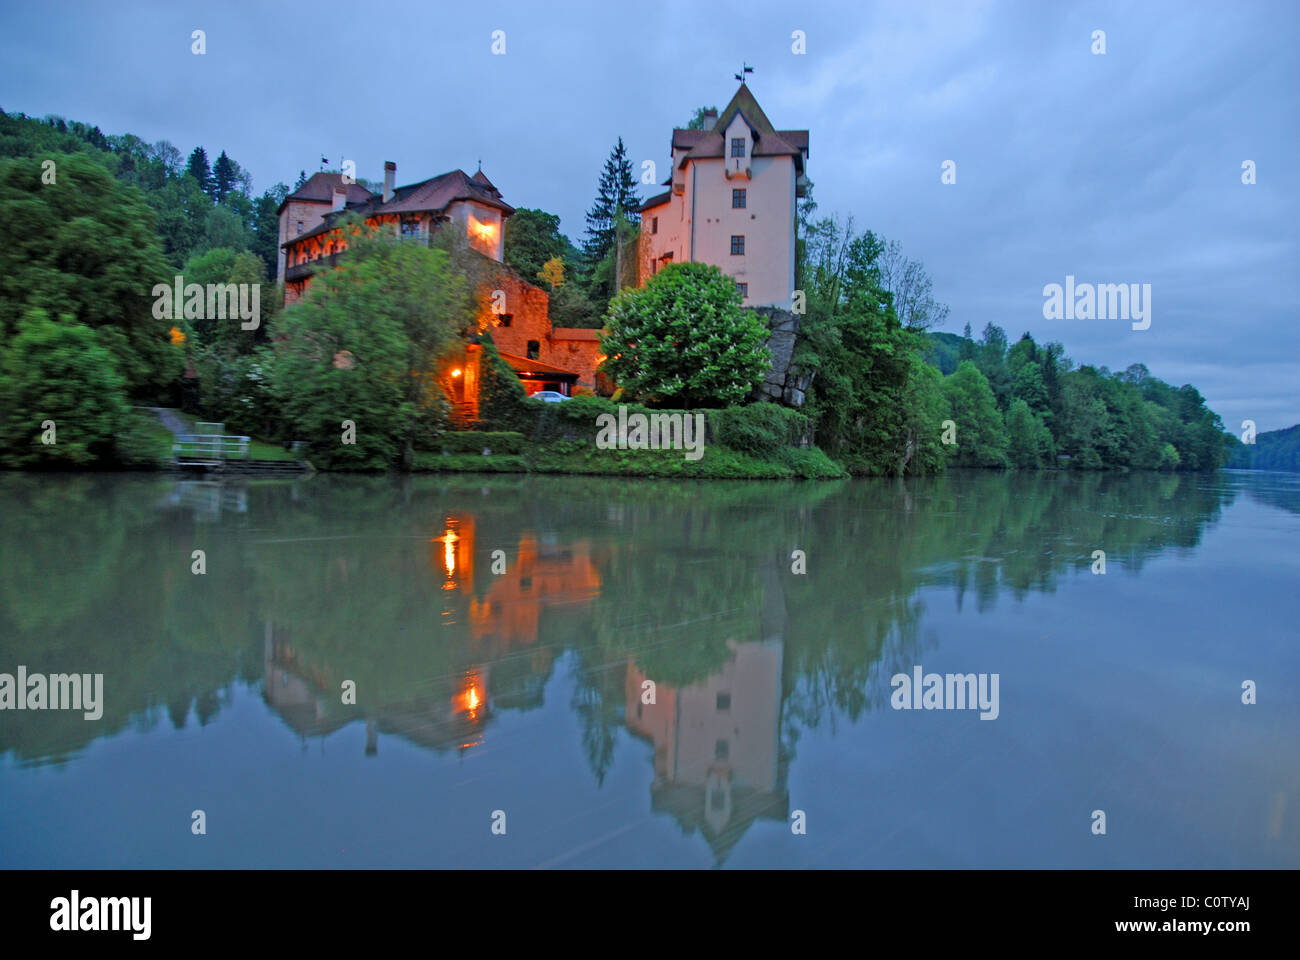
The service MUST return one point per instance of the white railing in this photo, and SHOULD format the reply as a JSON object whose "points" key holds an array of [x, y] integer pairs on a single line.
{"points": [[209, 446]]}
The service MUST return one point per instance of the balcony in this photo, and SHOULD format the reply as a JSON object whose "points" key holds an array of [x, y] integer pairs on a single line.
{"points": [[304, 270]]}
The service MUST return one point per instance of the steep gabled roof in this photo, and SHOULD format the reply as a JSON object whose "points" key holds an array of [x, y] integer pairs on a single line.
{"points": [[320, 187], [768, 141]]}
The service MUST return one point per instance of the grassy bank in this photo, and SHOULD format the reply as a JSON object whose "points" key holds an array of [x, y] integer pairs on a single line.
{"points": [[582, 456]]}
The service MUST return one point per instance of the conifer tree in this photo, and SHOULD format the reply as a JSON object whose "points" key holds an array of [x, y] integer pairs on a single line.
{"points": [[615, 194], [225, 175], [198, 169]]}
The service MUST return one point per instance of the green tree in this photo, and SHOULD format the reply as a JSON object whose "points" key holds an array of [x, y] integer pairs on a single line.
{"points": [[364, 346], [58, 372], [1029, 441], [616, 193], [225, 177], [88, 250], [981, 436], [199, 169], [683, 339], [532, 238]]}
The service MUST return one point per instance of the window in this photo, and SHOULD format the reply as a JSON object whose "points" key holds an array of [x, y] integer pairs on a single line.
{"points": [[737, 146], [534, 349], [410, 228], [744, 292], [722, 750], [654, 267], [505, 319], [654, 224], [738, 199], [300, 226], [737, 246], [724, 701]]}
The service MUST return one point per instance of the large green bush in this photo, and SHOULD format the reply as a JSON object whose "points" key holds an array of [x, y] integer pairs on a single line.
{"points": [[684, 340]]}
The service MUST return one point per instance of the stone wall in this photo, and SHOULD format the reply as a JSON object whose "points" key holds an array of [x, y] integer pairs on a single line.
{"points": [[783, 382]]}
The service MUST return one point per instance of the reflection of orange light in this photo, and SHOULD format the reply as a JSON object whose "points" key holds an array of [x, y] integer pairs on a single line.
{"points": [[470, 699], [456, 372], [449, 553]]}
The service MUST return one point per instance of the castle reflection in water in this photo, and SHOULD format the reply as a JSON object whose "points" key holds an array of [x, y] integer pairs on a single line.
{"points": [[718, 761]]}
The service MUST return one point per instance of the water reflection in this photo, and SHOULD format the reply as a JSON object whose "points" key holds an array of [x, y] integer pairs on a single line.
{"points": [[449, 602]]}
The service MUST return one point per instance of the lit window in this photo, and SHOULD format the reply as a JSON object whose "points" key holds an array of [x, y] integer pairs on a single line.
{"points": [[738, 199], [737, 146], [737, 246]]}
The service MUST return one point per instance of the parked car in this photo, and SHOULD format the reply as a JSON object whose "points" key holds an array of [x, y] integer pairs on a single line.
{"points": [[549, 396]]}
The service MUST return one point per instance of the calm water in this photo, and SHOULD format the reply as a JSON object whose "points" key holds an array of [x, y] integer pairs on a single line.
{"points": [[521, 691]]}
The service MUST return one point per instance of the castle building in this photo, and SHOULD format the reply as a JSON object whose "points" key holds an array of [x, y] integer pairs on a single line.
{"points": [[731, 202], [518, 316]]}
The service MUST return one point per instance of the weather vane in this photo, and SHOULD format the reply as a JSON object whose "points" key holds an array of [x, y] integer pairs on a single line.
{"points": [[745, 68]]}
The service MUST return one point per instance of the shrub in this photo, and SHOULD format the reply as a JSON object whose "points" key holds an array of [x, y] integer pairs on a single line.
{"points": [[761, 429]]}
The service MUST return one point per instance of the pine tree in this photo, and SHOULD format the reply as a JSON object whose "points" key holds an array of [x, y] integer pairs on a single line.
{"points": [[225, 174], [199, 169], [615, 194]]}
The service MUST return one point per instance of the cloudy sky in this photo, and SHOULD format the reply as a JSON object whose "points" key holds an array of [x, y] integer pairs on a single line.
{"points": [[1117, 168]]}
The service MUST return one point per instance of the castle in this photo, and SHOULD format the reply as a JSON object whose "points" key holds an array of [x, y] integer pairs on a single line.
{"points": [[731, 202]]}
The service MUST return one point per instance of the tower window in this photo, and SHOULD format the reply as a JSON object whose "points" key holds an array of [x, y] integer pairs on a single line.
{"points": [[738, 199], [737, 246], [654, 224], [737, 146], [534, 349]]}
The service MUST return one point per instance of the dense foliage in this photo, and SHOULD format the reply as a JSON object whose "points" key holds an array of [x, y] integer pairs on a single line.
{"points": [[683, 339]]}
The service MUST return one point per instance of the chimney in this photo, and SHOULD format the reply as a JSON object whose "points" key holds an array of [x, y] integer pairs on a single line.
{"points": [[390, 175], [710, 119], [340, 198]]}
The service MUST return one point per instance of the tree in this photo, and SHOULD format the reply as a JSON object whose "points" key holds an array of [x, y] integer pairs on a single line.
{"points": [[198, 169], [88, 250], [910, 289], [571, 307], [552, 273], [615, 194], [1029, 441], [266, 227], [683, 339], [981, 436], [364, 346], [223, 229], [532, 238], [58, 372], [225, 177]]}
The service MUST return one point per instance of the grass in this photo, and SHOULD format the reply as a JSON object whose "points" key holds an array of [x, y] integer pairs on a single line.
{"points": [[580, 457]]}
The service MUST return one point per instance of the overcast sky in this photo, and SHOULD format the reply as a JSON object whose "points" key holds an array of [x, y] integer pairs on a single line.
{"points": [[1117, 168]]}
